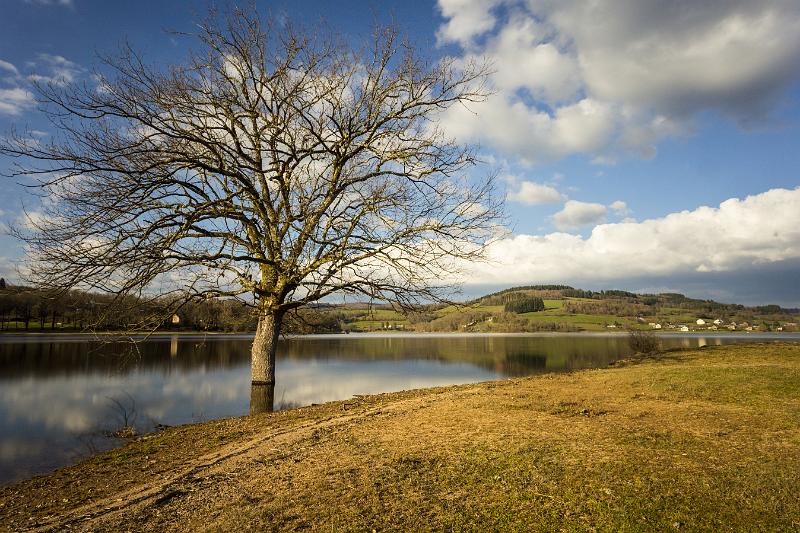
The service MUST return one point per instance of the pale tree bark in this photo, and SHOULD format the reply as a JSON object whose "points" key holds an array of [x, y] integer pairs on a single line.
{"points": [[272, 167], [265, 345]]}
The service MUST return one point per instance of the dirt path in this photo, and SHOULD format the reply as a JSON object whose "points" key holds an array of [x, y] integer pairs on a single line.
{"points": [[265, 447]]}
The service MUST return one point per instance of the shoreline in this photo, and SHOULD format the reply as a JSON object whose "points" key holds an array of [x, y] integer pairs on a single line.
{"points": [[652, 450], [790, 335]]}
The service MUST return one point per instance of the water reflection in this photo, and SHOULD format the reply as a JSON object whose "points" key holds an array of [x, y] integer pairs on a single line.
{"points": [[57, 394]]}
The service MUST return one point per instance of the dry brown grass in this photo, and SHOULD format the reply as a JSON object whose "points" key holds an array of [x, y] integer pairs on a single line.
{"points": [[702, 440]]}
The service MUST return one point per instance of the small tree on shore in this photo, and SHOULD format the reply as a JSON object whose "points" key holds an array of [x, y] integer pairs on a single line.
{"points": [[644, 342], [271, 166]]}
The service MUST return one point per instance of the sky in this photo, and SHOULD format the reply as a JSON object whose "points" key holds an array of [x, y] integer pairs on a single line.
{"points": [[646, 145]]}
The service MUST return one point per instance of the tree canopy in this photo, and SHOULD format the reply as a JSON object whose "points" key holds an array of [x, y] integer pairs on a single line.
{"points": [[272, 166]]}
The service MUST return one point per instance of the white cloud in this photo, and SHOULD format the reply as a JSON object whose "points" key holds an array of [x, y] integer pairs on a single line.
{"points": [[739, 234], [15, 100], [17, 96], [7, 269], [576, 214], [621, 208], [684, 56], [466, 19], [521, 60], [9, 67], [532, 193], [58, 70], [529, 133], [614, 77], [66, 3]]}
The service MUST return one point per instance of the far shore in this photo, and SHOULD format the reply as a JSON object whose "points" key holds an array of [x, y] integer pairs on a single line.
{"points": [[388, 334]]}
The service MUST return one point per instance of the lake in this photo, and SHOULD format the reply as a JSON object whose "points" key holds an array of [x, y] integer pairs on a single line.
{"points": [[61, 396]]}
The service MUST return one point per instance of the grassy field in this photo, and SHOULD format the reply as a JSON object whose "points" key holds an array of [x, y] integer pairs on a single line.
{"points": [[698, 440]]}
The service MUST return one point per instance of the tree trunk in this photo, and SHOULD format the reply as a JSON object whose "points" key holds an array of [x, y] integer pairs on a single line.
{"points": [[264, 345], [262, 398]]}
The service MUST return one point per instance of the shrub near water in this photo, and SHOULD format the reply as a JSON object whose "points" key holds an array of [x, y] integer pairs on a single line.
{"points": [[643, 341]]}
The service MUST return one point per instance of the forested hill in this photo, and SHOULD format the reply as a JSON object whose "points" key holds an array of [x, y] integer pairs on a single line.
{"points": [[660, 299]]}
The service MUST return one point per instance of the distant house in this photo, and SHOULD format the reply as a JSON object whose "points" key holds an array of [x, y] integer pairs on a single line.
{"points": [[175, 320], [684, 328], [717, 322], [656, 326], [732, 327], [701, 322]]}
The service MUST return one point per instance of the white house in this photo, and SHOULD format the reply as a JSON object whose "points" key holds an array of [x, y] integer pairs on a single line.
{"points": [[684, 328], [717, 322], [701, 322]]}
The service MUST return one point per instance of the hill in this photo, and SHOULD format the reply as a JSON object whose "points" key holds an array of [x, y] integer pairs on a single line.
{"points": [[550, 308], [569, 309]]}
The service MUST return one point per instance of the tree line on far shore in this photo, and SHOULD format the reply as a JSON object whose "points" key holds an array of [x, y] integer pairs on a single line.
{"points": [[29, 309]]}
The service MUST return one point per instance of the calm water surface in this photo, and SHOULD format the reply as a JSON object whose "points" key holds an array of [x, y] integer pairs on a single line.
{"points": [[60, 396]]}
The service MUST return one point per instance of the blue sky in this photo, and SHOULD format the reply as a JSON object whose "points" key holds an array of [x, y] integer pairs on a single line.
{"points": [[618, 131]]}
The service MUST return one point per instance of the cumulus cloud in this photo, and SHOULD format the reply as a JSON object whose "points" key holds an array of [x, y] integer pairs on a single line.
{"points": [[738, 234], [466, 19], [532, 193], [684, 56], [576, 214], [615, 77]]}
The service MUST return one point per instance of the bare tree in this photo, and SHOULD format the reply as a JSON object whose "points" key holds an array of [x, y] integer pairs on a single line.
{"points": [[272, 166]]}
